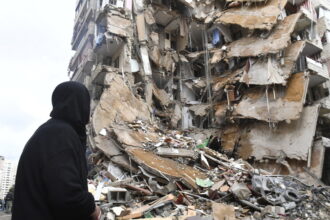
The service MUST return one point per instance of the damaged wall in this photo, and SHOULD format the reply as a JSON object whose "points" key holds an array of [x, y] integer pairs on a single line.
{"points": [[294, 139]]}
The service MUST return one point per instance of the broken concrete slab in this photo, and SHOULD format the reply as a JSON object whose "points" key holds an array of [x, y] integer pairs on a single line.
{"points": [[149, 17], [264, 71], [267, 71], [141, 27], [279, 39], [145, 60], [221, 112], [200, 110], [161, 95], [115, 22], [223, 211], [124, 162], [240, 190], [138, 212], [294, 139], [134, 138], [255, 16], [165, 167], [118, 103], [107, 146], [227, 78], [230, 138], [277, 103], [308, 171], [217, 56], [175, 152]]}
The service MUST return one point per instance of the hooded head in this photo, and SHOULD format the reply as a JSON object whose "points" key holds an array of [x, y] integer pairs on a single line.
{"points": [[71, 103]]}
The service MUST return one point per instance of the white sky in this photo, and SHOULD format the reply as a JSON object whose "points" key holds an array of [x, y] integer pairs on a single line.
{"points": [[35, 50]]}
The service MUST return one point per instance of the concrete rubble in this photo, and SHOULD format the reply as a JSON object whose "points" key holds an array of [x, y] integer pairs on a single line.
{"points": [[207, 109]]}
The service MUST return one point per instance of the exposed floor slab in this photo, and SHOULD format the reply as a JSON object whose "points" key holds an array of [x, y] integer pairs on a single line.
{"points": [[276, 41], [256, 16]]}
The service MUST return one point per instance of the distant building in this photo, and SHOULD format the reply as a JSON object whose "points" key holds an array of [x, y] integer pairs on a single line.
{"points": [[7, 175], [83, 41]]}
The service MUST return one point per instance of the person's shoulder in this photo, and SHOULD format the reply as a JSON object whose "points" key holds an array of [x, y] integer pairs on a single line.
{"points": [[54, 131], [52, 137], [56, 127]]}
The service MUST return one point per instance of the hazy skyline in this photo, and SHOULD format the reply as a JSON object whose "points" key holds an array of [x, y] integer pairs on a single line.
{"points": [[35, 52]]}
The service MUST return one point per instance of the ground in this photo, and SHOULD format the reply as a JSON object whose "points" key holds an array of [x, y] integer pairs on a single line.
{"points": [[4, 216]]}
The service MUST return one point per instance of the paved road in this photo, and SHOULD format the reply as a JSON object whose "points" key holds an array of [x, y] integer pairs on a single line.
{"points": [[4, 216]]}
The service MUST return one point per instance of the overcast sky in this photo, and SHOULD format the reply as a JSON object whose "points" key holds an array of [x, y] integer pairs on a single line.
{"points": [[35, 50]]}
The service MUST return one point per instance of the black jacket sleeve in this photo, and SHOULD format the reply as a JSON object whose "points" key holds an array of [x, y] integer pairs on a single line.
{"points": [[66, 193]]}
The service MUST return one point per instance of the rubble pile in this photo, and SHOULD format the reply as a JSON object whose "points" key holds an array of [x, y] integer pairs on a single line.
{"points": [[207, 109], [177, 178]]}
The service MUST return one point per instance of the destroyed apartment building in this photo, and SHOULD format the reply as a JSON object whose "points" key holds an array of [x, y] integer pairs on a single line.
{"points": [[207, 109]]}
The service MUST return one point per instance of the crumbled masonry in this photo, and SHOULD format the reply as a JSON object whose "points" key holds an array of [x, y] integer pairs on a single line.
{"points": [[207, 109]]}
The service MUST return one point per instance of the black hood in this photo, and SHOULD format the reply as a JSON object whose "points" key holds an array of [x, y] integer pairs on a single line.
{"points": [[71, 103]]}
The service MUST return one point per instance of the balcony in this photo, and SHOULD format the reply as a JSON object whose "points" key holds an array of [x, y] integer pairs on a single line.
{"points": [[312, 47], [84, 67], [81, 8], [112, 28], [307, 20], [115, 22], [88, 38], [108, 44], [113, 3], [81, 27], [318, 73], [324, 104]]}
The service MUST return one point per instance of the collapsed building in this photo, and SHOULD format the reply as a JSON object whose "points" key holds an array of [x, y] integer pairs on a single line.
{"points": [[180, 87]]}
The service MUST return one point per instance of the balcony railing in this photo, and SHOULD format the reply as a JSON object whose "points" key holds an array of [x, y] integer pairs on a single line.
{"points": [[80, 11], [318, 72]]}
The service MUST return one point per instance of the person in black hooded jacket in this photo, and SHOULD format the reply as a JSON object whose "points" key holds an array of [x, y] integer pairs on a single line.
{"points": [[51, 180]]}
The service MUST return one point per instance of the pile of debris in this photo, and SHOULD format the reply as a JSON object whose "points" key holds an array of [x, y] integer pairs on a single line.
{"points": [[178, 178], [207, 108]]}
